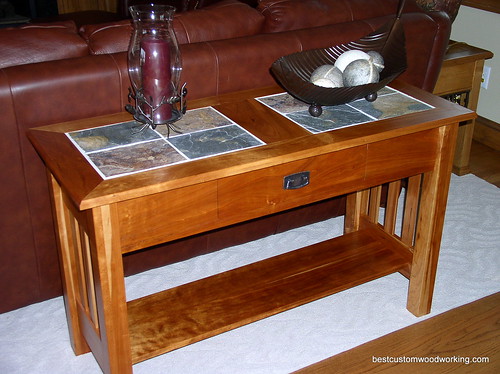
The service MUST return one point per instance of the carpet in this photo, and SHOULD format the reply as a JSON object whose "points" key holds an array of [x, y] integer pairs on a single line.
{"points": [[34, 339]]}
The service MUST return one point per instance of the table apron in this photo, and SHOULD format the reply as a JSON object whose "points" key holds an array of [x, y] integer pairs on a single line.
{"points": [[182, 212]]}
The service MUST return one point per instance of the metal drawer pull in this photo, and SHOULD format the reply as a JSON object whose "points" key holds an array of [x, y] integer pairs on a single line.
{"points": [[295, 181]]}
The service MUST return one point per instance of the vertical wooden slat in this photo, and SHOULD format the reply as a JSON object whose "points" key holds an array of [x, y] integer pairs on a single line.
{"points": [[374, 204], [412, 198], [89, 276], [356, 205], [80, 264], [391, 210]]}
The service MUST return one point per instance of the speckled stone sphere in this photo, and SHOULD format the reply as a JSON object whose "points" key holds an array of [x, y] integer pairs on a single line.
{"points": [[360, 72], [327, 76], [349, 56], [377, 60]]}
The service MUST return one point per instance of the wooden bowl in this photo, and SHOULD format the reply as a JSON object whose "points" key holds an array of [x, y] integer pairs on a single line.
{"points": [[294, 71]]}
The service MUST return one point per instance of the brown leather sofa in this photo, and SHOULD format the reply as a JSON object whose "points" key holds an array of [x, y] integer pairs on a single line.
{"points": [[53, 73]]}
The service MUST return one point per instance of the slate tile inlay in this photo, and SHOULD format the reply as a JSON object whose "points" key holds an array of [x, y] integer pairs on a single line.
{"points": [[123, 148], [135, 158], [390, 106], [105, 137], [342, 116], [197, 120], [390, 103], [214, 141]]}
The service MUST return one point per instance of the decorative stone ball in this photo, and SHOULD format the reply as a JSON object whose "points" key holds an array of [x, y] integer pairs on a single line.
{"points": [[360, 72], [323, 82], [349, 56], [377, 60], [327, 76]]}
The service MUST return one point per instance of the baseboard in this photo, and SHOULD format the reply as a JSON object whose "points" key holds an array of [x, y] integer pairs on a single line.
{"points": [[487, 132]]}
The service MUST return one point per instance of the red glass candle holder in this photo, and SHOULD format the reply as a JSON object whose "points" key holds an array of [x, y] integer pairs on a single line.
{"points": [[154, 66]]}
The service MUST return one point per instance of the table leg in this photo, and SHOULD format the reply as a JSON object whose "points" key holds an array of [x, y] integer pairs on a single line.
{"points": [[430, 224], [94, 287], [466, 130], [462, 154], [69, 270], [111, 342]]}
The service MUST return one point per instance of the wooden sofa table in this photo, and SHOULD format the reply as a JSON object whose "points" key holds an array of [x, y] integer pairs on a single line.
{"points": [[241, 156]]}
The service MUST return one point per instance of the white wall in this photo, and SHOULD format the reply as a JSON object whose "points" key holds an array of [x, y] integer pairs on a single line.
{"points": [[482, 29]]}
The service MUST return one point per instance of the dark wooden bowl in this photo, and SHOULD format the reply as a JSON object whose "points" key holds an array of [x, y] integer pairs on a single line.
{"points": [[294, 71]]}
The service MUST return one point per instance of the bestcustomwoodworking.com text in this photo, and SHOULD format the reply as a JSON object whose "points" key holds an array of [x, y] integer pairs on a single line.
{"points": [[429, 359]]}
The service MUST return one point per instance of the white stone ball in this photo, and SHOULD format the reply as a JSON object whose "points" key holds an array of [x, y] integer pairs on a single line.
{"points": [[323, 82], [377, 60], [349, 56], [360, 72], [327, 72]]}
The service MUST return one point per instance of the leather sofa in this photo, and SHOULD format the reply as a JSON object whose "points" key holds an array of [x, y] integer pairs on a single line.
{"points": [[52, 73]]}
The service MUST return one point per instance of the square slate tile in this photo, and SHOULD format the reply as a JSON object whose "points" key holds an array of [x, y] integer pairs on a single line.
{"points": [[389, 106], [105, 137], [214, 141], [134, 158], [333, 117], [197, 120]]}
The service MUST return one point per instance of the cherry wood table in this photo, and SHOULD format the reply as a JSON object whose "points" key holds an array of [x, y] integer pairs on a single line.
{"points": [[102, 215]]}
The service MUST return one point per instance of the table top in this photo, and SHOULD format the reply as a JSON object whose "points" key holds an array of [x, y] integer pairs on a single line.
{"points": [[112, 158], [460, 52]]}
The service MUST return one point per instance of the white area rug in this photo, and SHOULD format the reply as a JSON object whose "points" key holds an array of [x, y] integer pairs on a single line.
{"points": [[35, 339]]}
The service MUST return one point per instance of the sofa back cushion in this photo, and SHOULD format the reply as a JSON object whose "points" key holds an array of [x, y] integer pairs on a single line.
{"points": [[103, 38], [225, 19], [222, 20], [284, 15], [40, 42]]}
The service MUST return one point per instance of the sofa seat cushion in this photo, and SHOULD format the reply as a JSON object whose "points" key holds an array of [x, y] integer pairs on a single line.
{"points": [[40, 42], [226, 19], [285, 15]]}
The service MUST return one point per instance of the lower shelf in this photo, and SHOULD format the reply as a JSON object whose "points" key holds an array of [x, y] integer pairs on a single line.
{"points": [[195, 311]]}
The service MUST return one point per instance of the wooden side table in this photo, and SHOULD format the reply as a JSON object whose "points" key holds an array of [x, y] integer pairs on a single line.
{"points": [[460, 81], [104, 210]]}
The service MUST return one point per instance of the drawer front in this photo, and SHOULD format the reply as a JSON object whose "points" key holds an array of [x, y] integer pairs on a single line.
{"points": [[267, 191], [167, 216], [401, 157]]}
